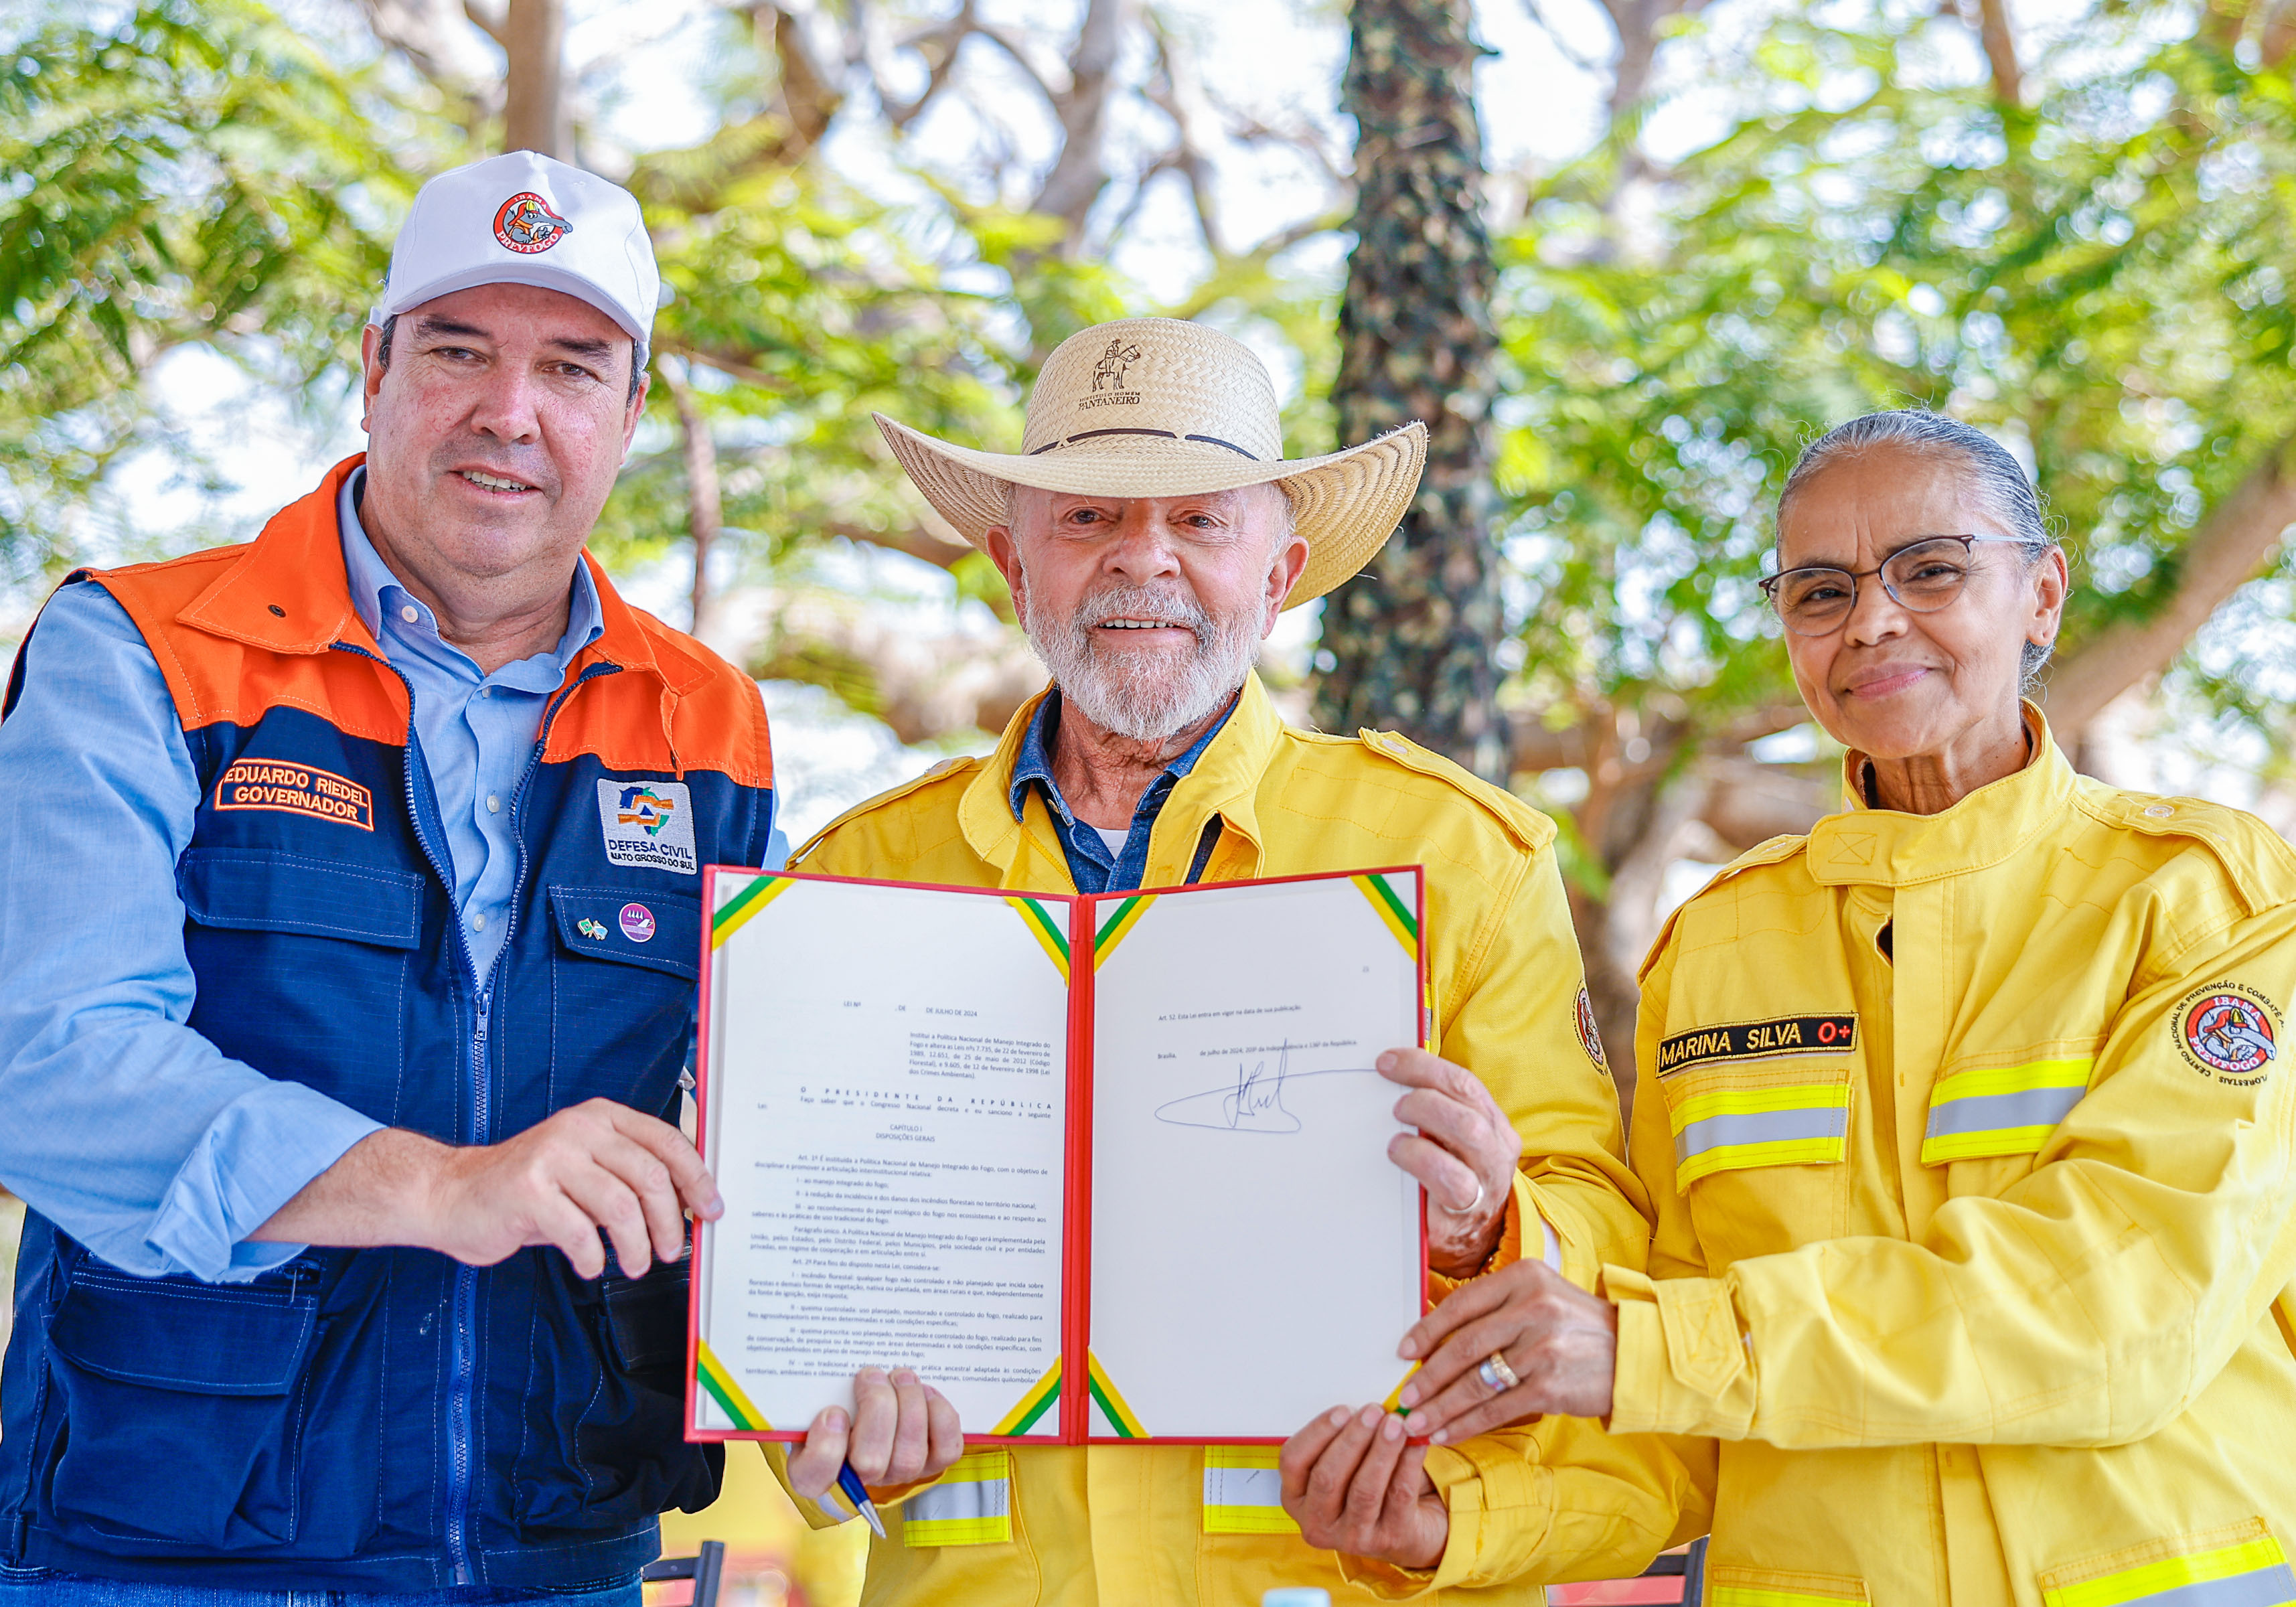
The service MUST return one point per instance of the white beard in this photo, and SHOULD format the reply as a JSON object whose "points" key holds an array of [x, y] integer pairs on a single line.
{"points": [[1131, 697]]}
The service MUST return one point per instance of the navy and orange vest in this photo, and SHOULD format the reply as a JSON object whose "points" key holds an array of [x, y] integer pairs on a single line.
{"points": [[389, 1419]]}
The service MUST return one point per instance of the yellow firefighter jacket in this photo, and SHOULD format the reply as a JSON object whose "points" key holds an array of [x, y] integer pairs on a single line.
{"points": [[1181, 1526], [1974, 1155]]}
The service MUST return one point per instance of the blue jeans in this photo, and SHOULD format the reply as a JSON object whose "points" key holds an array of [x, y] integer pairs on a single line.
{"points": [[41, 1587]]}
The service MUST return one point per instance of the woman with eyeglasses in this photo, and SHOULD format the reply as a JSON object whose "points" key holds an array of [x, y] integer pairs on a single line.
{"points": [[1965, 1127]]}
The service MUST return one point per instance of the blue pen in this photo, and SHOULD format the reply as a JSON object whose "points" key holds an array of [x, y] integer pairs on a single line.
{"points": [[857, 1493]]}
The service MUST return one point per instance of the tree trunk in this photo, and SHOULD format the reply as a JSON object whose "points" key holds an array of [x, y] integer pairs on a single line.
{"points": [[1998, 34], [1413, 636], [534, 104], [2236, 542]]}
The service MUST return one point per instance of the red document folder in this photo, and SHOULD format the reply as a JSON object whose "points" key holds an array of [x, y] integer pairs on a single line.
{"points": [[882, 1084]]}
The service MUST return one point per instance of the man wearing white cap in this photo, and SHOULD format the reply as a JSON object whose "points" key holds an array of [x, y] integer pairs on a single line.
{"points": [[347, 963], [1151, 531]]}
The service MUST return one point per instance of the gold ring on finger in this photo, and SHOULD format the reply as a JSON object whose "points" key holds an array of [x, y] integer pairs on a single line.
{"points": [[1498, 1377]]}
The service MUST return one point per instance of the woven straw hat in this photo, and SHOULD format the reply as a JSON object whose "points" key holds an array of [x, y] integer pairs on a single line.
{"points": [[1163, 407]]}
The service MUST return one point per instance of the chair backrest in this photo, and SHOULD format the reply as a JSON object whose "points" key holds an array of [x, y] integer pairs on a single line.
{"points": [[706, 1568]]}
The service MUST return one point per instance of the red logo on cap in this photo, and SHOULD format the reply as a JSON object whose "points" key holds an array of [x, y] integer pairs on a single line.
{"points": [[526, 225]]}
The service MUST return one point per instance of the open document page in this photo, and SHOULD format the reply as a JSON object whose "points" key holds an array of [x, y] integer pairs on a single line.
{"points": [[885, 1109], [1255, 1255]]}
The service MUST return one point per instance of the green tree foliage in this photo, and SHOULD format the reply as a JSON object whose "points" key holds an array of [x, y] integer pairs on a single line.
{"points": [[2099, 278], [174, 173]]}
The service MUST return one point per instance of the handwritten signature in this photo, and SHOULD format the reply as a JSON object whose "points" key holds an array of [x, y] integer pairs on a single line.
{"points": [[1252, 1103]]}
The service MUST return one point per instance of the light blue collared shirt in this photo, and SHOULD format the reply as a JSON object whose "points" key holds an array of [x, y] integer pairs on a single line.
{"points": [[477, 732], [128, 1130], [1094, 865]]}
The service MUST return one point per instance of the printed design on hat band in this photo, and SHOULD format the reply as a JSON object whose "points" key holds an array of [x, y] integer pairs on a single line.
{"points": [[1170, 435], [526, 225], [1108, 373]]}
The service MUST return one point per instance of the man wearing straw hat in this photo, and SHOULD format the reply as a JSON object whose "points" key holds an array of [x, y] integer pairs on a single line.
{"points": [[1151, 531]]}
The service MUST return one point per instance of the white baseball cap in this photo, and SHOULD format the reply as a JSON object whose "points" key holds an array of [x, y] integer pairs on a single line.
{"points": [[524, 218]]}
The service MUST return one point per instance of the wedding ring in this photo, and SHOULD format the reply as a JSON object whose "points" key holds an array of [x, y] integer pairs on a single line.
{"points": [[1498, 1377], [1468, 1209]]}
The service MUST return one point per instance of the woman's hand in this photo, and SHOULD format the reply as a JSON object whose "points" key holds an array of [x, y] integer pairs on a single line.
{"points": [[1561, 1343], [902, 1430], [1354, 1486], [1464, 1155]]}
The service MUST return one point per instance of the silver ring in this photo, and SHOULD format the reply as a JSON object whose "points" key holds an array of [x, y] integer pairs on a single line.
{"points": [[1498, 1377], [1468, 1209]]}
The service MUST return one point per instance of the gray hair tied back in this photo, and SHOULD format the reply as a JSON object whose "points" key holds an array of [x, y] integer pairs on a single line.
{"points": [[1999, 479]]}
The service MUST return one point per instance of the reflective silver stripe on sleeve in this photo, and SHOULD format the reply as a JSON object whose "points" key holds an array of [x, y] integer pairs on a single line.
{"points": [[1987, 1113]]}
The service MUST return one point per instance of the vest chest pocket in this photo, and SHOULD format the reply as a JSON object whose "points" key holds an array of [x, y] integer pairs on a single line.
{"points": [[302, 967], [196, 1389], [1759, 1152], [622, 992]]}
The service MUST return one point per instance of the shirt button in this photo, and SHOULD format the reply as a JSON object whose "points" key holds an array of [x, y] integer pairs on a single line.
{"points": [[2160, 811], [410, 613], [477, 922], [494, 804]]}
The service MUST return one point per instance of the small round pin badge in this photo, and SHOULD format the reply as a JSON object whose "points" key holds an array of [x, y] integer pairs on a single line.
{"points": [[637, 923]]}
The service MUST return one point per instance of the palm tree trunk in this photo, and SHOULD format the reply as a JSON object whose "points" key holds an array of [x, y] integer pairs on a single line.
{"points": [[1412, 639]]}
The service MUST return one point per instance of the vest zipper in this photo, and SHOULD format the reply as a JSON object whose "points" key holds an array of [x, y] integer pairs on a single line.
{"points": [[462, 1382]]}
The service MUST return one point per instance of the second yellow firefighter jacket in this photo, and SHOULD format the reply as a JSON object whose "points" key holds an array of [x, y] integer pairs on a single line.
{"points": [[1972, 1139], [1183, 1526]]}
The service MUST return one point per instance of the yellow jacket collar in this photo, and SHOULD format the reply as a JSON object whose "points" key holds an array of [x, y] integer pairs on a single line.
{"points": [[1885, 847], [1224, 782]]}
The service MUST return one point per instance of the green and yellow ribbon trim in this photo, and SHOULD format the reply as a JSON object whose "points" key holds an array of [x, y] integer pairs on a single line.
{"points": [[717, 1382], [736, 907], [1726, 1129], [1032, 1405], [1118, 926], [1112, 1405], [1046, 931], [1393, 912], [2002, 1109]]}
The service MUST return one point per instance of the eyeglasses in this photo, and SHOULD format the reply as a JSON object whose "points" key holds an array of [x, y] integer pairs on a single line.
{"points": [[1923, 578]]}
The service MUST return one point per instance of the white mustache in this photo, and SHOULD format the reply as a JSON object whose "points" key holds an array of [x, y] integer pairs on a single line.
{"points": [[1137, 603]]}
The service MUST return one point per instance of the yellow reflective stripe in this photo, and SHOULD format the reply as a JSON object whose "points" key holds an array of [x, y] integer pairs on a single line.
{"points": [[1989, 1143], [1756, 1101], [1737, 1157], [2002, 1109], [1728, 1130], [1758, 1595], [1985, 1080], [971, 1506], [2251, 1573], [1243, 1494]]}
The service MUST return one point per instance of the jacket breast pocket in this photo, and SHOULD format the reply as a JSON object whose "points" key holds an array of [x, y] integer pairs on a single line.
{"points": [[302, 966], [622, 993], [1760, 1153], [196, 1390]]}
